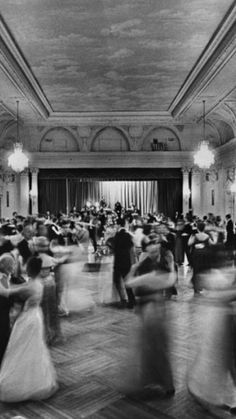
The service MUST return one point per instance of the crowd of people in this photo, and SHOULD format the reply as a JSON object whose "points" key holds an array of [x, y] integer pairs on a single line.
{"points": [[147, 253]]}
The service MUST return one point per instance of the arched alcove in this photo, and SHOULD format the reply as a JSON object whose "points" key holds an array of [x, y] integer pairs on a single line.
{"points": [[110, 139], [161, 139], [9, 135], [225, 131], [58, 139]]}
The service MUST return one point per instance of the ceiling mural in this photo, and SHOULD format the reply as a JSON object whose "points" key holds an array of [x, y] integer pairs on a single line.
{"points": [[112, 55]]}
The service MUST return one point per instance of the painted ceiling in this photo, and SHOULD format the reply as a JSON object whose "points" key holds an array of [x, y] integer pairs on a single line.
{"points": [[112, 55]]}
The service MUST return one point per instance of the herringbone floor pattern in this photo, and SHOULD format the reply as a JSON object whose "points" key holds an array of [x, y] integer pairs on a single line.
{"points": [[95, 362]]}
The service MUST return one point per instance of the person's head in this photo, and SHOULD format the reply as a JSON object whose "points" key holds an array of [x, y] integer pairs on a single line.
{"points": [[33, 267], [121, 222], [147, 229], [47, 265], [153, 247], [65, 226], [42, 230], [41, 244], [228, 216], [201, 226], [28, 231], [7, 263], [163, 229], [179, 224]]}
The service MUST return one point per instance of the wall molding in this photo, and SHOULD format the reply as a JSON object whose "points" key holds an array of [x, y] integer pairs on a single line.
{"points": [[218, 51], [111, 159], [18, 71]]}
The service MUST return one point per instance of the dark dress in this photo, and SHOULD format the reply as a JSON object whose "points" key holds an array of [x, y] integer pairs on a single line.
{"points": [[5, 306], [200, 261], [155, 365]]}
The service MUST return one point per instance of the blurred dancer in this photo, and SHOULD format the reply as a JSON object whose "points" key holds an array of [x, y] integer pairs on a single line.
{"points": [[149, 278], [212, 377], [123, 258], [6, 268], [49, 300], [27, 371], [200, 244], [229, 244]]}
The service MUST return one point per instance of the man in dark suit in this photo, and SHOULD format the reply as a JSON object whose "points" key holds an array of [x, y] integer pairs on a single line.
{"points": [[24, 245], [229, 244], [123, 259]]}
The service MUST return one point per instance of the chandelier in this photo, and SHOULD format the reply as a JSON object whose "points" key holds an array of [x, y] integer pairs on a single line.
{"points": [[18, 161], [204, 157]]}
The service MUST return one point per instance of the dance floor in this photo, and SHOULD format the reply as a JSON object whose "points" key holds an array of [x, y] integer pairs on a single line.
{"points": [[96, 360]]}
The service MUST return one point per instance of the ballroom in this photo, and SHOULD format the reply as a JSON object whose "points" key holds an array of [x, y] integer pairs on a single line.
{"points": [[129, 102]]}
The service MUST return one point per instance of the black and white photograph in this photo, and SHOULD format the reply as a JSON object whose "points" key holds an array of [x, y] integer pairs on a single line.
{"points": [[117, 209]]}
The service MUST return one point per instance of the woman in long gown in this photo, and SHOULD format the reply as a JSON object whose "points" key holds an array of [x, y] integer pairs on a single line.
{"points": [[6, 269], [212, 378], [27, 371], [149, 278]]}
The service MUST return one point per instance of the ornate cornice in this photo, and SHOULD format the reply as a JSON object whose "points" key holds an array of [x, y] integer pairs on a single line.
{"points": [[110, 118], [219, 50], [17, 70], [111, 159]]}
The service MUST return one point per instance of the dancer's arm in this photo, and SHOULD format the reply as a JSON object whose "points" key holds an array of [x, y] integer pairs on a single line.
{"points": [[153, 280], [8, 292], [221, 295]]}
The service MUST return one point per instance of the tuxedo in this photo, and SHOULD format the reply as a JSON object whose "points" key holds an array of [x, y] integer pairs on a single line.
{"points": [[229, 234], [24, 250], [123, 248]]}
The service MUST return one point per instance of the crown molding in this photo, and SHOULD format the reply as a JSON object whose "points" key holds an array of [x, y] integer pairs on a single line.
{"points": [[17, 70], [110, 118], [218, 51], [133, 159]]}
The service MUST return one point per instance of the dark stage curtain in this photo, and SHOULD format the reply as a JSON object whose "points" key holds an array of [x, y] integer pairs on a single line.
{"points": [[52, 195], [170, 196], [157, 190]]}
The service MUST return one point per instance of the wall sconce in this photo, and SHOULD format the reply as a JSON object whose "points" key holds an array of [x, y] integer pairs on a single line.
{"points": [[33, 196], [186, 192], [233, 187]]}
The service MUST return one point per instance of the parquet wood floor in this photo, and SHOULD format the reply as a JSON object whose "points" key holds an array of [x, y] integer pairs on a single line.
{"points": [[95, 361]]}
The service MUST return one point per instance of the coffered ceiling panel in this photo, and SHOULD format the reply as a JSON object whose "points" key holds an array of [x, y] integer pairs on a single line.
{"points": [[112, 55]]}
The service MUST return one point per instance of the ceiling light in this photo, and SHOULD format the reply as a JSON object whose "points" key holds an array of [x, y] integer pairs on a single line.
{"points": [[204, 157], [18, 161]]}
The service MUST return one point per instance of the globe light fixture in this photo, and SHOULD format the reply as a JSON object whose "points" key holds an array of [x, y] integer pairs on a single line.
{"points": [[204, 157], [233, 187], [18, 161]]}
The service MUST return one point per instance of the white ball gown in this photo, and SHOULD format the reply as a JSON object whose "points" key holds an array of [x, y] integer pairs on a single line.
{"points": [[212, 376], [27, 371]]}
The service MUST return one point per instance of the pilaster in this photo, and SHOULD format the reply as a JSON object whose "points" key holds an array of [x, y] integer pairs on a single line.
{"points": [[24, 192], [197, 192], [34, 190], [186, 189]]}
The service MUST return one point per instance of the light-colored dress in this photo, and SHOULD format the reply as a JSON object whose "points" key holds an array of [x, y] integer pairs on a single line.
{"points": [[27, 371], [211, 378]]}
